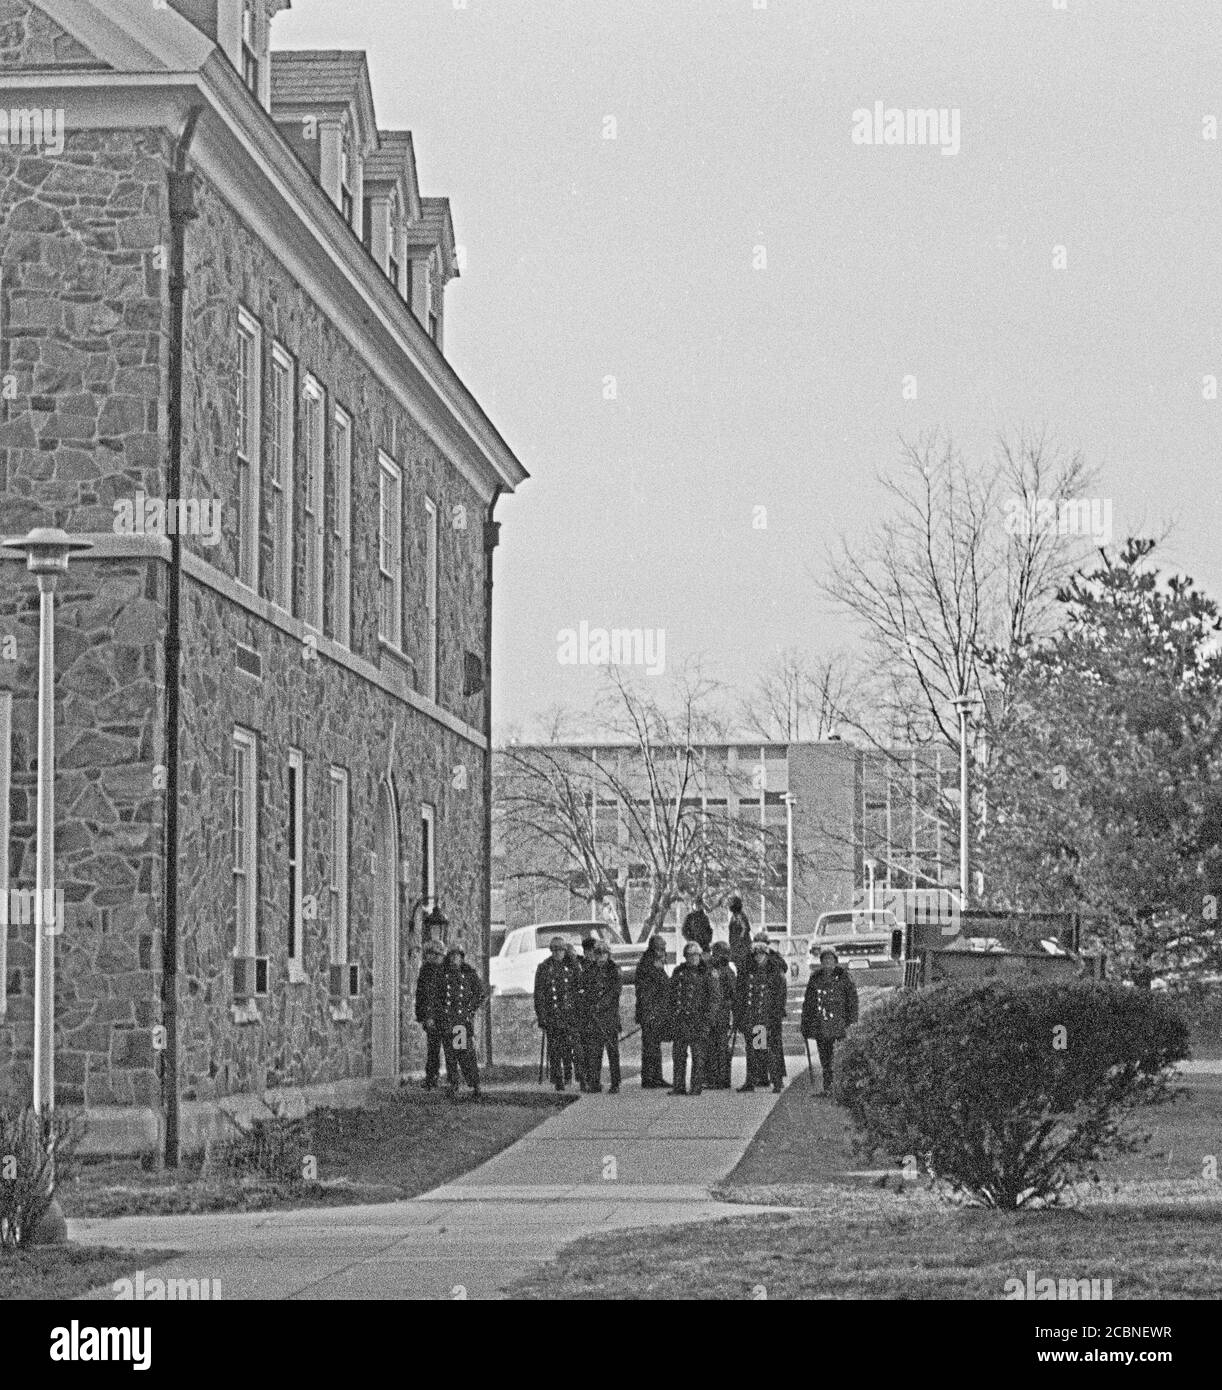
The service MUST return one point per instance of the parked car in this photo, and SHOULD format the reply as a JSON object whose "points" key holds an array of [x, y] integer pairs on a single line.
{"points": [[512, 969], [864, 940]]}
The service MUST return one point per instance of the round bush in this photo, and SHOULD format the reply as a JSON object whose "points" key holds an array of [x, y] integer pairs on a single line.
{"points": [[1005, 1093]]}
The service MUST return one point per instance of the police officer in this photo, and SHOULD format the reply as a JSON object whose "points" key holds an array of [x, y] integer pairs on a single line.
{"points": [[557, 1010], [761, 1007], [691, 999], [829, 1009], [696, 925], [600, 991], [426, 989], [653, 1011], [460, 992], [721, 1018]]}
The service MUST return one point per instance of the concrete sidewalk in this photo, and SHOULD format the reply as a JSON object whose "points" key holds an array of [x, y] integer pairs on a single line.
{"points": [[604, 1163]]}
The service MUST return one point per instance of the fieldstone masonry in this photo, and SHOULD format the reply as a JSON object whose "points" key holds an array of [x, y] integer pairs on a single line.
{"points": [[84, 322]]}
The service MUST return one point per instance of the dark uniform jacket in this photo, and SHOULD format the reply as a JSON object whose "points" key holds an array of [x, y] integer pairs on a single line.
{"points": [[458, 994], [652, 996], [557, 993], [740, 940], [830, 1005], [761, 997], [691, 1000], [698, 928], [721, 1012], [426, 988], [600, 991]]}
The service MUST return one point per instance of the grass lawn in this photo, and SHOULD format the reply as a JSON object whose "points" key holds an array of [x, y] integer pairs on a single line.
{"points": [[63, 1271], [1153, 1226], [394, 1148], [1149, 1253]]}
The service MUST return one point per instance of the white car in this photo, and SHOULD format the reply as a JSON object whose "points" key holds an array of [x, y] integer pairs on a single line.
{"points": [[524, 949]]}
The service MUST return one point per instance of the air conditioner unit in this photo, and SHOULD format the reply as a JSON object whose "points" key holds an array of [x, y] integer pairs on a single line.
{"points": [[250, 977], [345, 981]]}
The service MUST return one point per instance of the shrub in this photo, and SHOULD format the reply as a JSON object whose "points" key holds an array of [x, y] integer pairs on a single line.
{"points": [[34, 1159], [977, 1083], [271, 1149]]}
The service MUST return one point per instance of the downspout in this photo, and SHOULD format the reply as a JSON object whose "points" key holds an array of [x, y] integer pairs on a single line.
{"points": [[182, 211], [492, 533]]}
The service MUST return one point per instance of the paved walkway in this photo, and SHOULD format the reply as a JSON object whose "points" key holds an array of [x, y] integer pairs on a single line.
{"points": [[606, 1162]]}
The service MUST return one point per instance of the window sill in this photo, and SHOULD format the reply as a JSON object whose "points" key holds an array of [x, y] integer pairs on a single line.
{"points": [[296, 974], [245, 1011], [396, 654], [341, 1013]]}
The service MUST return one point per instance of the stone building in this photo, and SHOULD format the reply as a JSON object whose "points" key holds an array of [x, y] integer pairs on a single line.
{"points": [[221, 327], [830, 809]]}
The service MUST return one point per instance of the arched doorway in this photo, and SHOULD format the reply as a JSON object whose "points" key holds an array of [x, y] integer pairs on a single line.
{"points": [[386, 938]]}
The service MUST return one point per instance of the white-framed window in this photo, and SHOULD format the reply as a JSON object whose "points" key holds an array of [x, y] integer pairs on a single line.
{"points": [[249, 439], [390, 551], [341, 534], [428, 855], [314, 443], [431, 552], [244, 830], [339, 866], [296, 862], [283, 371]]}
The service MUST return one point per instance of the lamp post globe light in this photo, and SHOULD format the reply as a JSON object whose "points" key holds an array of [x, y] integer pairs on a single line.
{"points": [[47, 551]]}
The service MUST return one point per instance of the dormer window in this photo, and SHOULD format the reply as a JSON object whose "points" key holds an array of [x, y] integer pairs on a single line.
{"points": [[250, 46]]}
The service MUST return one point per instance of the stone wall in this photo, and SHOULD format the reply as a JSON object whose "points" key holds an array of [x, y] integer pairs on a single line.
{"points": [[29, 38]]}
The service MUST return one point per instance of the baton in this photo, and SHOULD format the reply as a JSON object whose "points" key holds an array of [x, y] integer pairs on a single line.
{"points": [[542, 1050], [810, 1066]]}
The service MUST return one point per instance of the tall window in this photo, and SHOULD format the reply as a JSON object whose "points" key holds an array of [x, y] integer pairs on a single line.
{"points": [[250, 46], [341, 533], [430, 597], [339, 866], [428, 855], [390, 552], [314, 448], [249, 435], [296, 843], [282, 478], [244, 830]]}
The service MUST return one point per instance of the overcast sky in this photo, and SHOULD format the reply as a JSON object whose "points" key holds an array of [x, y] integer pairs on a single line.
{"points": [[783, 387]]}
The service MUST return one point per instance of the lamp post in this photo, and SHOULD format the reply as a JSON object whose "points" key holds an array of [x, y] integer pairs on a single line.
{"points": [[871, 865], [789, 800], [963, 703], [47, 551]]}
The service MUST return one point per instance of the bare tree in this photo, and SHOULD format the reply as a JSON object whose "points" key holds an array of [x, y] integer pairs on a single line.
{"points": [[964, 567], [633, 806], [798, 697]]}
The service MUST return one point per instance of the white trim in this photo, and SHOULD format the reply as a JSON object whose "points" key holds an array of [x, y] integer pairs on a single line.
{"points": [[390, 549], [428, 877], [295, 838], [341, 579], [432, 585], [340, 857], [283, 470], [246, 879], [314, 457], [250, 465]]}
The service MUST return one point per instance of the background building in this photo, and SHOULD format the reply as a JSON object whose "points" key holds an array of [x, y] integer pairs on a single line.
{"points": [[849, 805]]}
